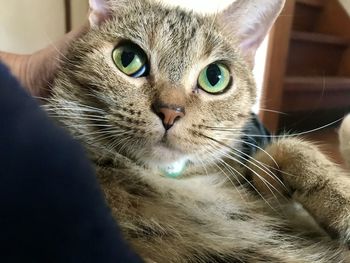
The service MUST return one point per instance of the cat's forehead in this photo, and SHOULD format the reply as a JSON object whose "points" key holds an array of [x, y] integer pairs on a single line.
{"points": [[175, 38]]}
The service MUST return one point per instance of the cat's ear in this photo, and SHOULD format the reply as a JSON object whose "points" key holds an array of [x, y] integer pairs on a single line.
{"points": [[100, 11], [249, 21]]}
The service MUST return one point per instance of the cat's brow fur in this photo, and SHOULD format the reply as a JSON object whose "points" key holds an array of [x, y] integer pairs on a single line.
{"points": [[206, 216]]}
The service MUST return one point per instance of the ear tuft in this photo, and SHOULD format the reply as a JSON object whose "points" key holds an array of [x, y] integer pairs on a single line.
{"points": [[99, 12], [249, 21]]}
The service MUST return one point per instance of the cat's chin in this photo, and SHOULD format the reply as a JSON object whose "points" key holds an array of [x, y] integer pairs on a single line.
{"points": [[160, 156]]}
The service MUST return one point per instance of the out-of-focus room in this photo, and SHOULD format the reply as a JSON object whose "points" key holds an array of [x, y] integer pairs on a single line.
{"points": [[307, 80], [302, 70], [29, 25]]}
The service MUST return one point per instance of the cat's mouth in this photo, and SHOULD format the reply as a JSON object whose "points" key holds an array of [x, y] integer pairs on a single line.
{"points": [[164, 141], [166, 151], [167, 144]]}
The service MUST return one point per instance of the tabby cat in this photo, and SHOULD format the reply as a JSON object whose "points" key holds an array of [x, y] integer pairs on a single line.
{"points": [[159, 97]]}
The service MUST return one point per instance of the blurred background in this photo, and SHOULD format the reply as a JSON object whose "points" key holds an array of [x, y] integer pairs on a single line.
{"points": [[307, 78], [29, 25], [302, 69]]}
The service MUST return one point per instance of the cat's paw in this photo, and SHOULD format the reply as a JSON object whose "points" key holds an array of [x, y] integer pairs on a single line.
{"points": [[344, 139], [310, 178], [277, 168]]}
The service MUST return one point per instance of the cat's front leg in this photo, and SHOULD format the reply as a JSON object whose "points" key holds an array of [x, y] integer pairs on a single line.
{"points": [[299, 169]]}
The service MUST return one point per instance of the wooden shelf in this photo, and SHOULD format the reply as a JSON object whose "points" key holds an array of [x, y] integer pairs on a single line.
{"points": [[314, 3], [300, 102], [308, 64], [320, 38], [316, 93], [316, 84]]}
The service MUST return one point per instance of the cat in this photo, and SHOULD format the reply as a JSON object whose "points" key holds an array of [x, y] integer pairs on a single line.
{"points": [[159, 97]]}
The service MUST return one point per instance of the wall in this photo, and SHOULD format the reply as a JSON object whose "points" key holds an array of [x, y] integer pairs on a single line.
{"points": [[79, 11], [346, 5], [28, 25]]}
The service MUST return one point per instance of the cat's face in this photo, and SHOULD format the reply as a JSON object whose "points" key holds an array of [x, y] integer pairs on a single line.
{"points": [[156, 84]]}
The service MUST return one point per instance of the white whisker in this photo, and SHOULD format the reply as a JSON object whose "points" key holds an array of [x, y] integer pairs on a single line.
{"points": [[226, 129], [266, 182]]}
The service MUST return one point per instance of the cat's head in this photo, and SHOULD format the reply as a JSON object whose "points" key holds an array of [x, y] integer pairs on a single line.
{"points": [[159, 84]]}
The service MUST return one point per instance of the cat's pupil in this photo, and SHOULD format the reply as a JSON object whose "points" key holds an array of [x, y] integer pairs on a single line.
{"points": [[214, 74], [127, 58]]}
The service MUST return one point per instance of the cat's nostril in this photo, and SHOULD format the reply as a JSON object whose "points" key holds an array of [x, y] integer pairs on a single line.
{"points": [[177, 118], [169, 114], [169, 117], [161, 115]]}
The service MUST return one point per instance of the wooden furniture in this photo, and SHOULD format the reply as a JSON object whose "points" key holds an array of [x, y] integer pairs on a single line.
{"points": [[308, 66]]}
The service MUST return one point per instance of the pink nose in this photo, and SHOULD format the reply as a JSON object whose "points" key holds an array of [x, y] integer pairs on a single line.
{"points": [[169, 114]]}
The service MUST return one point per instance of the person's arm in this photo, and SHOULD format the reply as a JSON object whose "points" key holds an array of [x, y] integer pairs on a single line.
{"points": [[36, 71], [52, 208]]}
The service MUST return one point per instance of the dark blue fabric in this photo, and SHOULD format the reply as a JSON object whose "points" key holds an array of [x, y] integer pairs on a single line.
{"points": [[255, 136], [51, 207]]}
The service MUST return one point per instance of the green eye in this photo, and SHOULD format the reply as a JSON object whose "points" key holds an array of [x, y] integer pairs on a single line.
{"points": [[215, 78], [131, 60]]}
